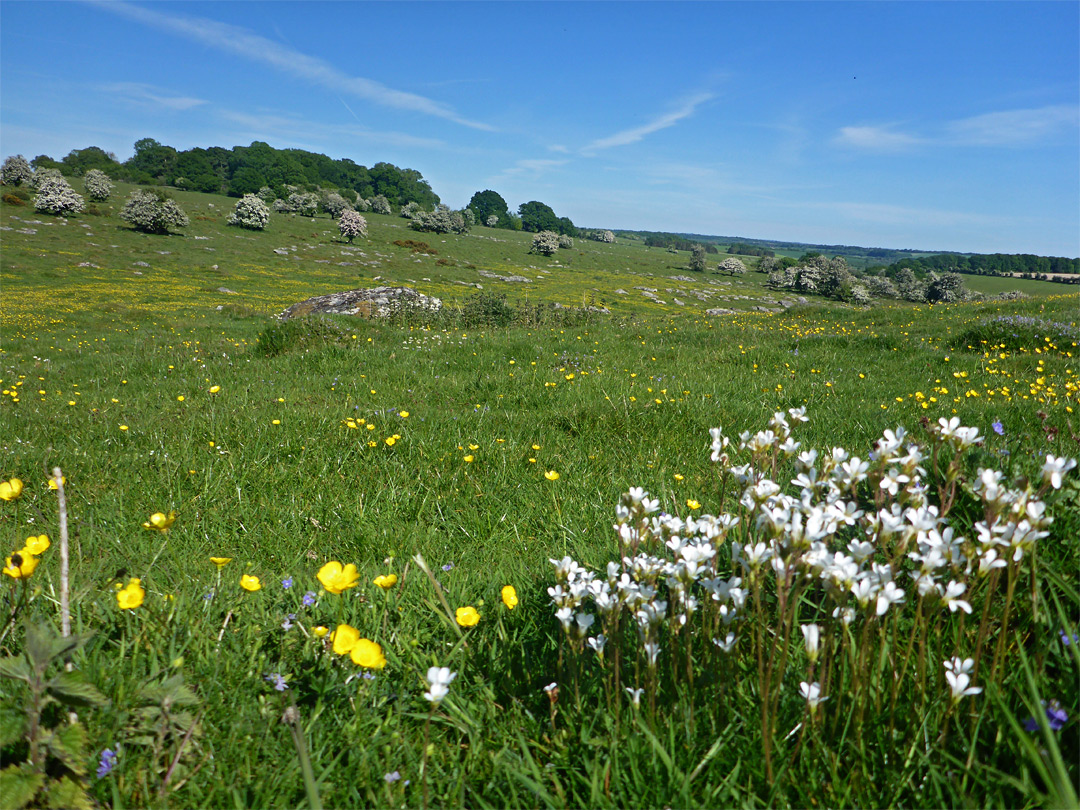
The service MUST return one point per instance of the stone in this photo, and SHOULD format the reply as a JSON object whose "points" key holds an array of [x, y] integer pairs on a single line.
{"points": [[373, 302]]}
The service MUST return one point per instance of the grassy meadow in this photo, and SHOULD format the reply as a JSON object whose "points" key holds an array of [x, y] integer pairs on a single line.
{"points": [[456, 459]]}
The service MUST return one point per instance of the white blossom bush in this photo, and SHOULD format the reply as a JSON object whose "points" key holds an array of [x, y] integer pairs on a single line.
{"points": [[604, 236], [851, 571], [565, 242], [469, 215], [43, 175], [97, 185], [380, 205], [546, 243], [881, 287], [153, 212], [410, 210], [333, 204], [362, 204], [492, 220], [948, 288], [251, 213], [266, 194], [55, 196], [440, 220], [16, 171], [351, 224], [732, 266]]}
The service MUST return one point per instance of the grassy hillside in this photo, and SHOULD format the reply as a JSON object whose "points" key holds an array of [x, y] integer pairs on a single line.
{"points": [[489, 452]]}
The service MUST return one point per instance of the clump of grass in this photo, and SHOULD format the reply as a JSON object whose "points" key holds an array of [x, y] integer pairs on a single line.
{"points": [[299, 335], [1016, 332]]}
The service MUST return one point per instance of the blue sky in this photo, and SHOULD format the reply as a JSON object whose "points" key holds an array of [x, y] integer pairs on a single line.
{"points": [[943, 126]]}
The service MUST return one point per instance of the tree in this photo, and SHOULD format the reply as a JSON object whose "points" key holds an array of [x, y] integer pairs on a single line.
{"points": [[80, 161], [947, 288], [55, 196], [410, 210], [697, 258], [380, 205], [545, 243], [152, 160], [153, 212], [565, 241], [537, 217], [604, 236], [16, 171], [251, 213], [351, 224], [97, 185], [491, 220], [487, 204], [732, 266], [441, 220], [333, 204]]}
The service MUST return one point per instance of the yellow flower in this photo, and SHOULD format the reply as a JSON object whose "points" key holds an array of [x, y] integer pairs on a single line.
{"points": [[386, 582], [123, 427], [20, 565], [474, 447], [551, 475], [36, 545], [52, 482], [131, 595], [467, 616], [221, 562], [367, 654], [404, 414], [214, 389], [180, 398], [159, 522], [337, 578], [678, 477], [319, 631], [10, 490], [468, 459], [692, 503], [509, 597], [344, 638], [250, 583], [390, 441]]}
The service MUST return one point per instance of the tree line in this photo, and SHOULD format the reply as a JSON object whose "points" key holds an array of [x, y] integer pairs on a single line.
{"points": [[987, 264]]}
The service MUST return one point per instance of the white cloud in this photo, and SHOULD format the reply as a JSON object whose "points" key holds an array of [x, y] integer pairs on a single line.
{"points": [[259, 49], [876, 139], [1014, 127], [141, 93], [531, 166], [262, 127], [629, 136]]}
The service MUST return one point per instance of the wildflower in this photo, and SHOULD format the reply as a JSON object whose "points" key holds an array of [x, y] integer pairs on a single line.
{"points": [[20, 564], [131, 595], [337, 578], [999, 428], [509, 597], [37, 545], [215, 389], [466, 616], [956, 673], [288, 623], [469, 459], [727, 644], [387, 581], [367, 654], [278, 681], [250, 583], [812, 693], [319, 631], [52, 482], [448, 567], [309, 599], [439, 679], [107, 763], [160, 522], [1055, 717], [551, 475], [287, 583], [811, 635], [393, 776], [1054, 468], [10, 490], [344, 638], [404, 414], [390, 440], [693, 504], [635, 696], [552, 691]]}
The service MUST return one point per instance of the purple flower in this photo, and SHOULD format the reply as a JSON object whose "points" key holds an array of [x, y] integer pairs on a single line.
{"points": [[448, 567], [999, 428], [309, 598], [108, 761], [392, 777], [1056, 717], [288, 623], [278, 681], [286, 583], [1066, 639]]}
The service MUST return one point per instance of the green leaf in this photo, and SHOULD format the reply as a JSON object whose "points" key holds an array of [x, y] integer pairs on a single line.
{"points": [[67, 794], [15, 666], [19, 784], [68, 744], [72, 688], [12, 727]]}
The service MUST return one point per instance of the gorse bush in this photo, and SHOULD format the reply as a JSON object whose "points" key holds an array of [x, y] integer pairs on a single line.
{"points": [[251, 213], [55, 196], [153, 212]]}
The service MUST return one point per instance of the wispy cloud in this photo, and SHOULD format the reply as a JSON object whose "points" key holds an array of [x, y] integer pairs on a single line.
{"points": [[145, 93], [243, 42], [1014, 127], [530, 166], [268, 126], [876, 139], [635, 134]]}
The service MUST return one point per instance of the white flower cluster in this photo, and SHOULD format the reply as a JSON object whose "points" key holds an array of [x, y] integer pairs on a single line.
{"points": [[16, 171], [362, 204], [380, 205], [97, 184], [410, 210], [863, 531], [55, 196], [42, 175], [333, 204], [604, 236], [152, 212], [303, 203], [441, 220], [492, 220], [545, 243], [351, 224], [565, 241], [250, 212], [732, 266]]}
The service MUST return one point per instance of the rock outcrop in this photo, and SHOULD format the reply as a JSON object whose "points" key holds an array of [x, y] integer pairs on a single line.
{"points": [[374, 302]]}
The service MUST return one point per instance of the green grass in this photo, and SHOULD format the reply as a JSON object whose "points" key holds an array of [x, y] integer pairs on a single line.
{"points": [[279, 471]]}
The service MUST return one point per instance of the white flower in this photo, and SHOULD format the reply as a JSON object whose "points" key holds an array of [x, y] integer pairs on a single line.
{"points": [[652, 651], [952, 591], [956, 673], [811, 692], [812, 636], [438, 679], [635, 696], [726, 644], [597, 643], [1054, 468]]}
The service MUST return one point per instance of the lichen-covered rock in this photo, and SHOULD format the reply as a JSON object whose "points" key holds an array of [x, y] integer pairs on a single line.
{"points": [[374, 302]]}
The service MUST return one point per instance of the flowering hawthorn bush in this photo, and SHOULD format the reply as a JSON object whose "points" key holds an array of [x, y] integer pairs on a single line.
{"points": [[410, 210], [604, 236], [826, 557], [98, 185], [380, 205], [333, 204], [732, 266], [565, 241], [546, 243], [250, 212], [41, 175], [351, 224], [152, 212], [55, 196], [16, 171], [441, 220], [492, 220]]}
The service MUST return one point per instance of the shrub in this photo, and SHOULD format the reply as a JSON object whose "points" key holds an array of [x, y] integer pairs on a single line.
{"points": [[881, 287], [487, 309], [97, 184], [16, 171], [948, 288], [469, 216], [153, 212], [11, 199], [351, 225], [251, 213], [41, 175], [731, 266], [417, 247], [565, 241], [545, 243], [604, 236], [441, 220], [55, 196], [492, 220], [362, 204], [697, 258], [410, 210], [266, 194], [333, 204], [380, 205]]}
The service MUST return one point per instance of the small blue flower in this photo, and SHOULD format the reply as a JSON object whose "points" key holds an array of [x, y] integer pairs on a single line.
{"points": [[999, 428], [288, 623], [1066, 639], [1056, 717], [392, 777], [278, 681], [108, 761], [309, 598], [286, 583], [448, 567]]}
